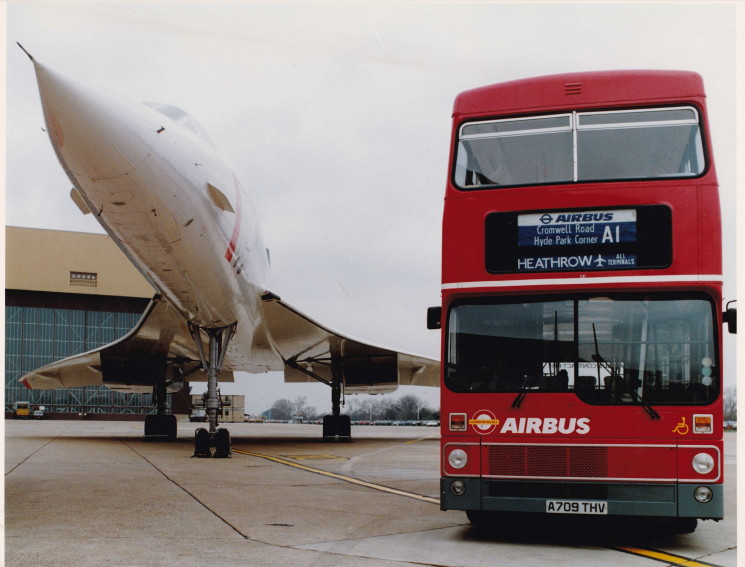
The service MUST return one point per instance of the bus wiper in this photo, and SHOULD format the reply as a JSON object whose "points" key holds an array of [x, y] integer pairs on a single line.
{"points": [[530, 382], [527, 385], [637, 398], [616, 378]]}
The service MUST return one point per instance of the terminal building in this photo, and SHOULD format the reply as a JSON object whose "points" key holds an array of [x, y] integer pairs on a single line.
{"points": [[67, 293]]}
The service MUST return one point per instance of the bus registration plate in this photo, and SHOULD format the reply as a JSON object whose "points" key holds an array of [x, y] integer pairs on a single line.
{"points": [[576, 507]]}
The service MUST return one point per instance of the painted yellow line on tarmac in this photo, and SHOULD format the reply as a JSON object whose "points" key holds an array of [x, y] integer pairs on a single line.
{"points": [[341, 477], [664, 557], [313, 457], [648, 553], [421, 439]]}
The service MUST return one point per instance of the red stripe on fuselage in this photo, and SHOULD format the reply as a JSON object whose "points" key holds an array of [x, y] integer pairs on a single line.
{"points": [[237, 227]]}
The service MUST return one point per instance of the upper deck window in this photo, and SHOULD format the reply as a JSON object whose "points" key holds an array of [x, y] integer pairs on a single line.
{"points": [[581, 146]]}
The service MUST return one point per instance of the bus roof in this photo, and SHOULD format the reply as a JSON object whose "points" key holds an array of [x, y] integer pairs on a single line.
{"points": [[580, 90]]}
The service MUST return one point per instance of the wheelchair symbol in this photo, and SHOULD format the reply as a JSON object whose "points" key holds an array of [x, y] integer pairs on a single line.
{"points": [[682, 427]]}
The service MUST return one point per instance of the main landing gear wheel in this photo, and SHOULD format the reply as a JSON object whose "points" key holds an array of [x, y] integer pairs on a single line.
{"points": [[160, 427], [337, 428], [216, 446]]}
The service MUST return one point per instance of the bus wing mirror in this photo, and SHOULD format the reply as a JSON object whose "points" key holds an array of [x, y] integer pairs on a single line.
{"points": [[730, 317], [434, 318]]}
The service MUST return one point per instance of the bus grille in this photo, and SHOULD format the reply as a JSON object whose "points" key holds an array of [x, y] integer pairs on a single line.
{"points": [[547, 461]]}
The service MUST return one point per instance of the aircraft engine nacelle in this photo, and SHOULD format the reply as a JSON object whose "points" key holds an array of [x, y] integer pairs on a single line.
{"points": [[132, 369], [371, 374]]}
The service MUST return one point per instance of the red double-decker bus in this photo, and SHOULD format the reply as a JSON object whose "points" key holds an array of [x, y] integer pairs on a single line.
{"points": [[582, 301]]}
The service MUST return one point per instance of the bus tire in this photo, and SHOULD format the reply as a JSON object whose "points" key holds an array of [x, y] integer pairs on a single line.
{"points": [[684, 525], [485, 518]]}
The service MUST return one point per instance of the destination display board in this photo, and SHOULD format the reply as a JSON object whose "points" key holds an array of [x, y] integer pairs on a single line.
{"points": [[579, 240]]}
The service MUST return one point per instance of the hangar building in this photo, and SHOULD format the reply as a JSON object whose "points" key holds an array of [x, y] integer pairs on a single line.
{"points": [[67, 293]]}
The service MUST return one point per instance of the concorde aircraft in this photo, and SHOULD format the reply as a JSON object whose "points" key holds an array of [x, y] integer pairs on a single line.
{"points": [[154, 181]]}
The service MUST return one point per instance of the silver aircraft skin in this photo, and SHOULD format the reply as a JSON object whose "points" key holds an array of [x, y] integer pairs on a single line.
{"points": [[176, 208]]}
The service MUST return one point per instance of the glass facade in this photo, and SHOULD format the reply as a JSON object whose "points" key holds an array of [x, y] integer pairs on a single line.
{"points": [[38, 335]]}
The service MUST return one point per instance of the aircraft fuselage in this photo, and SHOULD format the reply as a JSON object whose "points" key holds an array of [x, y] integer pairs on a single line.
{"points": [[171, 203]]}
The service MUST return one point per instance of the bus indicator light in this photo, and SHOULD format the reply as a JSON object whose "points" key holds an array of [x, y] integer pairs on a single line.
{"points": [[703, 423], [457, 422]]}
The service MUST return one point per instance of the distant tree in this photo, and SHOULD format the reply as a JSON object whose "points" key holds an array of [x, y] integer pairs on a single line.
{"points": [[281, 409], [405, 408], [730, 404], [409, 407], [357, 410], [429, 414], [300, 408], [387, 409]]}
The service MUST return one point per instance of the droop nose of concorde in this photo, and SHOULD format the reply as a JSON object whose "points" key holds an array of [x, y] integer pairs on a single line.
{"points": [[96, 136]]}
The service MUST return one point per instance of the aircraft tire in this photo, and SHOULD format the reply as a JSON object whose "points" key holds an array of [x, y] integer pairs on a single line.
{"points": [[337, 429], [202, 443], [171, 427], [160, 427], [222, 444]]}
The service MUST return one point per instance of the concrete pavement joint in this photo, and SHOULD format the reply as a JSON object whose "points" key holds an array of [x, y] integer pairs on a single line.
{"points": [[31, 455], [218, 516], [733, 548]]}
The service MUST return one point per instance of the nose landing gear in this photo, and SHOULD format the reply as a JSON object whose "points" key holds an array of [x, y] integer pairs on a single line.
{"points": [[213, 442], [215, 445]]}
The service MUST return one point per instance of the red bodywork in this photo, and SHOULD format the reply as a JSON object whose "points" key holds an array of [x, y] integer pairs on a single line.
{"points": [[615, 443]]}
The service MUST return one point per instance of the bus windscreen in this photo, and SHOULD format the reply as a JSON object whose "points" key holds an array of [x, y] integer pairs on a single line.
{"points": [[617, 349]]}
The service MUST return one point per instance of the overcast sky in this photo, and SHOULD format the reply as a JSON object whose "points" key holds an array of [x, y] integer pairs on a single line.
{"points": [[337, 119]]}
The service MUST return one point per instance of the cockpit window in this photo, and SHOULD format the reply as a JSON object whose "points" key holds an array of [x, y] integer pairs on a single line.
{"points": [[172, 112], [180, 117]]}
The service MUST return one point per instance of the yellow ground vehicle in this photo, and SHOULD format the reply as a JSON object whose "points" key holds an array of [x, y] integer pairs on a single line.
{"points": [[21, 410]]}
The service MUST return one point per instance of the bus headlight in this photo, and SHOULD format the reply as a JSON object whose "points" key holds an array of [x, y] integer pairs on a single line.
{"points": [[458, 487], [703, 494], [703, 463], [458, 458]]}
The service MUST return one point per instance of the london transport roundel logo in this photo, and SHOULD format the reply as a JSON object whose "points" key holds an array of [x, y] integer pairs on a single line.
{"points": [[484, 422], [546, 218]]}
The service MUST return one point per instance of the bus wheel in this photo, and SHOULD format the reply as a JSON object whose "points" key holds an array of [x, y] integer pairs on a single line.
{"points": [[684, 525], [485, 519]]}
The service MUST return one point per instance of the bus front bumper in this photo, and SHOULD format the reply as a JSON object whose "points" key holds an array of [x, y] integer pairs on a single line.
{"points": [[638, 499]]}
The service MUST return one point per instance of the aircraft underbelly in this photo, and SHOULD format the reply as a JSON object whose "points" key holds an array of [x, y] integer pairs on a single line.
{"points": [[154, 221]]}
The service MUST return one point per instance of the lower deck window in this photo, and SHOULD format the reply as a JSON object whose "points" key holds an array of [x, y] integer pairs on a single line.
{"points": [[606, 349]]}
